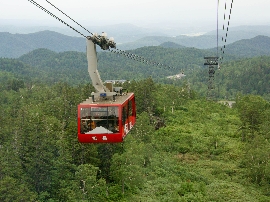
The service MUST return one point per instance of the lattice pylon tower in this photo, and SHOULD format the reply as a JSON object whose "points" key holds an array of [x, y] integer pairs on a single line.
{"points": [[212, 62]]}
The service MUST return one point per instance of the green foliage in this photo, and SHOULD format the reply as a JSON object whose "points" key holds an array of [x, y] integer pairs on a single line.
{"points": [[196, 153], [53, 67], [246, 76], [253, 111], [13, 190], [90, 188], [229, 191], [256, 46], [254, 114]]}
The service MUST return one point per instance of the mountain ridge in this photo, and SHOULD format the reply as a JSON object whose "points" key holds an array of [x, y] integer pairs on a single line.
{"points": [[16, 45]]}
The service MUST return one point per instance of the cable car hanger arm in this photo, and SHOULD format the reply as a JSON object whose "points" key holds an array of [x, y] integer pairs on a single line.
{"points": [[92, 60]]}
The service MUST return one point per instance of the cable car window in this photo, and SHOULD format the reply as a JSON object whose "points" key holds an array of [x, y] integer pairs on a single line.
{"points": [[124, 114], [130, 108], [97, 120]]}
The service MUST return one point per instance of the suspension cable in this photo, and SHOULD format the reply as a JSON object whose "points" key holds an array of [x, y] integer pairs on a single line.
{"points": [[217, 28], [51, 14], [69, 17], [139, 58], [224, 38]]}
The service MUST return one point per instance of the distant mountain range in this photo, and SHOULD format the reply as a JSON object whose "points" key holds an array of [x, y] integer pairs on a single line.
{"points": [[257, 46], [15, 45], [242, 41], [201, 42]]}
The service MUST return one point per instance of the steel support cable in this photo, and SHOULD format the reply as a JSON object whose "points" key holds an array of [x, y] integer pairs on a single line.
{"points": [[51, 14], [224, 39], [217, 27], [135, 57], [69, 17], [144, 60], [138, 58]]}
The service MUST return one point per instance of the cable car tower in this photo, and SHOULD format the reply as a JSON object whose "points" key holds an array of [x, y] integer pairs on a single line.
{"points": [[211, 62]]}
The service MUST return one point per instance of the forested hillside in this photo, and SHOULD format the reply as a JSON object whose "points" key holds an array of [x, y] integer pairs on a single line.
{"points": [[245, 76], [249, 76], [202, 151], [182, 147], [247, 48], [113, 66], [236, 76]]}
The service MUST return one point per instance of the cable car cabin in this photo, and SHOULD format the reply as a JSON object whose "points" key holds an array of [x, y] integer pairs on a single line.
{"points": [[106, 121]]}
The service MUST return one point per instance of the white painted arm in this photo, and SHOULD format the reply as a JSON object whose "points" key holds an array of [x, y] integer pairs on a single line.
{"points": [[92, 68]]}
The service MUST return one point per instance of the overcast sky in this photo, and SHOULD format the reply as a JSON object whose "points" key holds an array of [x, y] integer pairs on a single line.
{"points": [[138, 12]]}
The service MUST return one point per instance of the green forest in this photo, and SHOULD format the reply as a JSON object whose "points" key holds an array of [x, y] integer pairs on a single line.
{"points": [[183, 146]]}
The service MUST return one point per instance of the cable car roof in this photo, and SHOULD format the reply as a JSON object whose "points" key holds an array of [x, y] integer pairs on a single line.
{"points": [[119, 100]]}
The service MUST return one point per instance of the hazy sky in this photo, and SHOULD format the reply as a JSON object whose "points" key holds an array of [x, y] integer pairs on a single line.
{"points": [[138, 12]]}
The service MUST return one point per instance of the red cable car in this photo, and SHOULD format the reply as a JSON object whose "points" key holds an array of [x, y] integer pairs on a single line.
{"points": [[110, 114], [100, 122]]}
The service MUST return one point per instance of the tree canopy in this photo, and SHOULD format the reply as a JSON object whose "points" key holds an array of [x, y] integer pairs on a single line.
{"points": [[182, 147]]}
